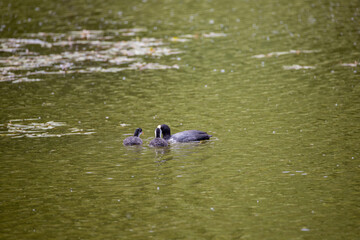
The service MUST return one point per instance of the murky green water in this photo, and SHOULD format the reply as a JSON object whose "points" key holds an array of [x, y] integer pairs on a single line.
{"points": [[275, 82]]}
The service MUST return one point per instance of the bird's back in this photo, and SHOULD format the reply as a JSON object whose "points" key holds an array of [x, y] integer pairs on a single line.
{"points": [[132, 141], [158, 142], [190, 135]]}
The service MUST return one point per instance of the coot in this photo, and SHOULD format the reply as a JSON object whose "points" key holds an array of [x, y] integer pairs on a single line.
{"points": [[134, 140], [185, 136], [158, 141]]}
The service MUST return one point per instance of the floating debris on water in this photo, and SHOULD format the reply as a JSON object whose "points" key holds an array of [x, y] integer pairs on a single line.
{"points": [[212, 34], [87, 34], [143, 66], [276, 54], [100, 69], [107, 52], [18, 42], [204, 35], [354, 64], [295, 173], [18, 128], [97, 46], [121, 60], [189, 36], [176, 39], [297, 67], [25, 79]]}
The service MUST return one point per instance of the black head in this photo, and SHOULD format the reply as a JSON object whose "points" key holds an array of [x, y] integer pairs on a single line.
{"points": [[157, 133], [138, 132], [165, 129]]}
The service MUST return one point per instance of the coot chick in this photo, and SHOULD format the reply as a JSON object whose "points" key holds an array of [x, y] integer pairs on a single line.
{"points": [[185, 136], [134, 140], [158, 141]]}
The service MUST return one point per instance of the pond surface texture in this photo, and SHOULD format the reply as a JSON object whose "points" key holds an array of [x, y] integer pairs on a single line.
{"points": [[275, 82]]}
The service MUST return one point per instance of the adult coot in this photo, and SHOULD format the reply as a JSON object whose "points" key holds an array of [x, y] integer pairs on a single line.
{"points": [[134, 140], [158, 141], [185, 136]]}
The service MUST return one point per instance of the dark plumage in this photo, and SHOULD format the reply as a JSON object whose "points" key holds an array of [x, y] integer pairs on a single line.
{"points": [[134, 140], [185, 136], [158, 141]]}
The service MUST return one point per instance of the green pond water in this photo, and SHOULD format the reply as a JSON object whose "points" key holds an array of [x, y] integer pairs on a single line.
{"points": [[275, 82]]}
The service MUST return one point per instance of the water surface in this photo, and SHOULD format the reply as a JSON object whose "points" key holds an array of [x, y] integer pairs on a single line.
{"points": [[275, 82]]}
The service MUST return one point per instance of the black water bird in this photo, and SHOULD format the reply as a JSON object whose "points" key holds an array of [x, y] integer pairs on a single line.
{"points": [[158, 141], [185, 136], [134, 140]]}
